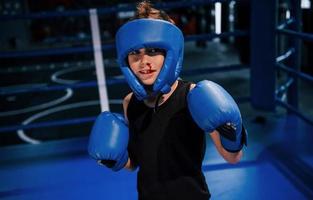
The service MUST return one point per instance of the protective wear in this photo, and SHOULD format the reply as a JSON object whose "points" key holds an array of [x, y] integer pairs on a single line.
{"points": [[213, 108], [109, 140], [151, 33]]}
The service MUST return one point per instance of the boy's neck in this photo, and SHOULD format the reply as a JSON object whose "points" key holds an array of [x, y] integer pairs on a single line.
{"points": [[150, 102]]}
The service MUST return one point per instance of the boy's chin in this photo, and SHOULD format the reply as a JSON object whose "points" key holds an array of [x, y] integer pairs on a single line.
{"points": [[147, 83]]}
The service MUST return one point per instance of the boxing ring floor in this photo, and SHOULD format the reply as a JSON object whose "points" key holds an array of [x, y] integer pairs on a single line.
{"points": [[273, 167]]}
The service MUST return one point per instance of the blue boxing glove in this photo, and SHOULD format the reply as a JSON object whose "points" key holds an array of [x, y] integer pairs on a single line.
{"points": [[212, 108], [109, 140]]}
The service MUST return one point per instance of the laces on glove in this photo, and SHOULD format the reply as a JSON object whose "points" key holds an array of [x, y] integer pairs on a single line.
{"points": [[107, 163], [228, 131]]}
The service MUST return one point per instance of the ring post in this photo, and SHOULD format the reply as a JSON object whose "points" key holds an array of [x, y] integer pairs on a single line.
{"points": [[263, 53]]}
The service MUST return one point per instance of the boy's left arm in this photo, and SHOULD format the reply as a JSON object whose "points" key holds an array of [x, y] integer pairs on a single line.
{"points": [[216, 112], [230, 157]]}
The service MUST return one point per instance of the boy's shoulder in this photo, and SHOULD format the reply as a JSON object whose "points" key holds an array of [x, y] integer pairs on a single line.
{"points": [[192, 85], [127, 98], [126, 101]]}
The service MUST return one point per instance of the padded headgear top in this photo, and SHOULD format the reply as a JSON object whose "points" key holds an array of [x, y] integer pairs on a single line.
{"points": [[151, 33]]}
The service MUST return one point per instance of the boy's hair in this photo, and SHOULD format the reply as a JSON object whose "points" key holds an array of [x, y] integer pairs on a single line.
{"points": [[145, 10]]}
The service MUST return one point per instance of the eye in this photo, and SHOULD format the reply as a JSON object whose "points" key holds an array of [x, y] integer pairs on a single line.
{"points": [[155, 51], [134, 52]]}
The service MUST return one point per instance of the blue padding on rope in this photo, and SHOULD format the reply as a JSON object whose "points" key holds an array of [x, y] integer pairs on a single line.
{"points": [[106, 10], [183, 4], [48, 124], [301, 75], [71, 121], [45, 15], [300, 35], [60, 87], [210, 36], [192, 72], [286, 23], [284, 87], [52, 52], [86, 49], [47, 88], [46, 52], [286, 55], [294, 110], [113, 81]]}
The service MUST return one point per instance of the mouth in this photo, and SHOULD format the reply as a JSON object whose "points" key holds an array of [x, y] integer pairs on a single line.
{"points": [[148, 71]]}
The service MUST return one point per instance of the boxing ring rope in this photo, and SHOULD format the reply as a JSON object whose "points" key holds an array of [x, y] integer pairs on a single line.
{"points": [[291, 28], [104, 47], [104, 11], [265, 55], [109, 10], [117, 80], [295, 34], [301, 75], [281, 29], [61, 87]]}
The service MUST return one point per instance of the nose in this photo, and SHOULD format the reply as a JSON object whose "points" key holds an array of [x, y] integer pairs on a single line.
{"points": [[145, 60]]}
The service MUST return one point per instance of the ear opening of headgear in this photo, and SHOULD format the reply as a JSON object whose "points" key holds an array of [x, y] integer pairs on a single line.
{"points": [[154, 33]]}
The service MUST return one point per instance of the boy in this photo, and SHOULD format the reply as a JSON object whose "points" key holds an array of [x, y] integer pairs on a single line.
{"points": [[161, 131]]}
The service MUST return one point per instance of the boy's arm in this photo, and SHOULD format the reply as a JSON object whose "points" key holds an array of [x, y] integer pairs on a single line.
{"points": [[125, 104], [129, 165], [230, 157], [213, 109]]}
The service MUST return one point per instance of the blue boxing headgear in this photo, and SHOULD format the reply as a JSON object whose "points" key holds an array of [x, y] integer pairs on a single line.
{"points": [[151, 33]]}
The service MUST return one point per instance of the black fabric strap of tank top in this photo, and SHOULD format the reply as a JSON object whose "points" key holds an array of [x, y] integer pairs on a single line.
{"points": [[155, 109]]}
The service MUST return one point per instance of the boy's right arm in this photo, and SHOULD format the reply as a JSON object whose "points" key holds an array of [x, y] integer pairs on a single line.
{"points": [[129, 165], [126, 101]]}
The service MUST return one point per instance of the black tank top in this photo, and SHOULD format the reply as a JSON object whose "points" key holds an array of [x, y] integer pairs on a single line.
{"points": [[168, 148]]}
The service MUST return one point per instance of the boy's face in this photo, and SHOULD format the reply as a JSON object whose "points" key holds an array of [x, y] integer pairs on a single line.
{"points": [[146, 64]]}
